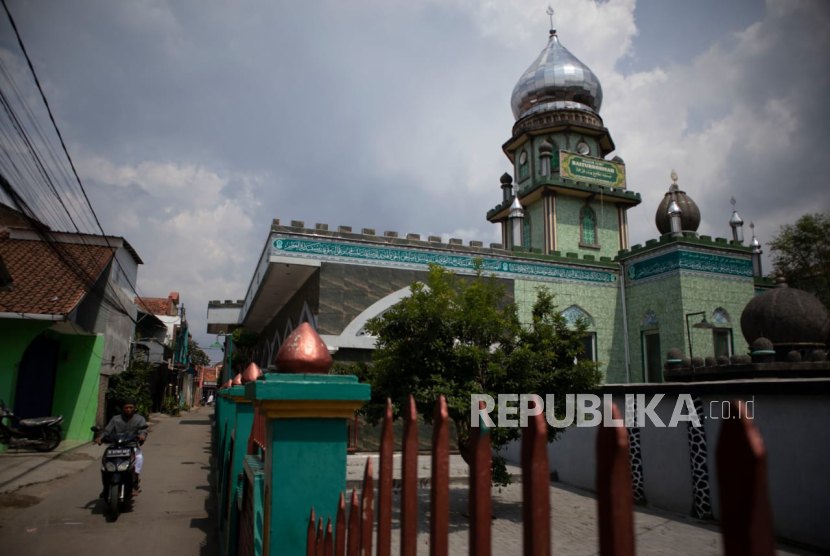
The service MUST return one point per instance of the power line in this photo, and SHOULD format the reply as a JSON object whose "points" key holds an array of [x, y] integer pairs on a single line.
{"points": [[60, 137], [51, 116]]}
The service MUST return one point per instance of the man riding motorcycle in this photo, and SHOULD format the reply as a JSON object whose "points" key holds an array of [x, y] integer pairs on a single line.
{"points": [[130, 423]]}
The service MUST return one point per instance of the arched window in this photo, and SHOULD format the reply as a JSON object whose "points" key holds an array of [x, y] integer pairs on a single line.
{"points": [[524, 164], [720, 316], [589, 342], [649, 320], [588, 227], [554, 158], [722, 333], [650, 341], [526, 233]]}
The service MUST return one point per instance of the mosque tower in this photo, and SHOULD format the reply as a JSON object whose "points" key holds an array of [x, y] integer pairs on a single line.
{"points": [[574, 200]]}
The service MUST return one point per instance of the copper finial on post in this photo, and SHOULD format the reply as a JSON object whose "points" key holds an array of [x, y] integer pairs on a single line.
{"points": [[251, 373], [237, 380], [304, 352], [227, 385]]}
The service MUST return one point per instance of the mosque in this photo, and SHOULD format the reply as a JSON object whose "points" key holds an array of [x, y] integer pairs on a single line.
{"points": [[564, 223]]}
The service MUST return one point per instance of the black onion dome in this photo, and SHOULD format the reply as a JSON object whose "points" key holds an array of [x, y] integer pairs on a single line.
{"points": [[690, 213], [786, 316]]}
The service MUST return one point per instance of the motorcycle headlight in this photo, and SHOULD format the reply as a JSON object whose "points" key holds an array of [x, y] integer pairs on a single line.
{"points": [[110, 466], [124, 465]]}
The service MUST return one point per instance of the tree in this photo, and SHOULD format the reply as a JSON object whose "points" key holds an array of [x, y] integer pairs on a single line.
{"points": [[244, 341], [132, 383], [457, 337], [195, 354], [802, 252]]}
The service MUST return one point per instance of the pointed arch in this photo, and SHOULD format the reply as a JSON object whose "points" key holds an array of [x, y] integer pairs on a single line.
{"points": [[721, 316], [574, 312], [588, 234], [649, 319]]}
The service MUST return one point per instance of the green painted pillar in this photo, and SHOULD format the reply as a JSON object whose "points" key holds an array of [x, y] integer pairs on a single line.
{"points": [[305, 463], [225, 458], [240, 433]]}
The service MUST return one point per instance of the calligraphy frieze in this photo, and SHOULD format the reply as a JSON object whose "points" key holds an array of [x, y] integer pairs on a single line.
{"points": [[414, 258], [690, 261]]}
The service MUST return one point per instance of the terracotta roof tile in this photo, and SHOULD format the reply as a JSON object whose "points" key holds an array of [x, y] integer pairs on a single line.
{"points": [[154, 305], [43, 283]]}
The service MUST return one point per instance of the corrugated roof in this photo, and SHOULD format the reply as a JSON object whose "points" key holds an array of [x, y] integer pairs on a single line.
{"points": [[43, 283]]}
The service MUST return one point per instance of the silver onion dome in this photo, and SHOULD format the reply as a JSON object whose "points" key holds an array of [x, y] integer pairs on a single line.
{"points": [[556, 80]]}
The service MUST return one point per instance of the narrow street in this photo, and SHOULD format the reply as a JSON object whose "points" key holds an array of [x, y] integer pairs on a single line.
{"points": [[172, 515]]}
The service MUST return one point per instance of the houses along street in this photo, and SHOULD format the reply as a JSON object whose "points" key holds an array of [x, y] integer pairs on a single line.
{"points": [[172, 515]]}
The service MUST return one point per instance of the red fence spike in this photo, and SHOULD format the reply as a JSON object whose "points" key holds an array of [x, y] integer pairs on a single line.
{"points": [[310, 541], [328, 548], [340, 528], [536, 487], [320, 538], [367, 511], [746, 518], [480, 505], [353, 541], [439, 503], [385, 484], [615, 497], [409, 474]]}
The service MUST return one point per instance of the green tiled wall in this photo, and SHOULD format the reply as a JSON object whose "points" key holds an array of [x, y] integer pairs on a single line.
{"points": [[567, 227], [602, 303], [674, 297], [707, 294], [536, 213], [663, 297]]}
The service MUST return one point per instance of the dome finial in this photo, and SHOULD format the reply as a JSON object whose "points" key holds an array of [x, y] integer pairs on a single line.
{"points": [[549, 11], [673, 187]]}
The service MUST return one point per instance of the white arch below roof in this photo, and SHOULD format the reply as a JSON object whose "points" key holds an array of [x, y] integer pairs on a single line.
{"points": [[350, 338], [307, 316]]}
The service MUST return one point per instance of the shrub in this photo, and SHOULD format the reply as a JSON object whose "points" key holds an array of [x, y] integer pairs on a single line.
{"points": [[132, 383]]}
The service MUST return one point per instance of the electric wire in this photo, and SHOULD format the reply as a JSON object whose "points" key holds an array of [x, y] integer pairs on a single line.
{"points": [[62, 142]]}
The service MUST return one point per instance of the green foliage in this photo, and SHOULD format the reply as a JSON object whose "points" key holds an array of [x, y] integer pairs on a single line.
{"points": [[456, 337], [196, 355], [171, 406], [244, 341], [132, 383], [802, 252]]}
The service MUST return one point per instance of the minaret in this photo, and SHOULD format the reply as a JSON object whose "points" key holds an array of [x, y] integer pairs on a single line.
{"points": [[517, 221], [756, 253], [574, 199], [736, 223]]}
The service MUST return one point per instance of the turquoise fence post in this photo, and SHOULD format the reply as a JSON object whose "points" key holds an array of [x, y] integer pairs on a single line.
{"points": [[240, 433], [224, 478], [307, 411]]}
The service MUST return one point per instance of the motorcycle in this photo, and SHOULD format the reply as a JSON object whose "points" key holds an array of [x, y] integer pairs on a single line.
{"points": [[118, 471], [41, 433]]}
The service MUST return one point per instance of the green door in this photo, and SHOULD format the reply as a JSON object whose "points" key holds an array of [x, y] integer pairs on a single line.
{"points": [[651, 345]]}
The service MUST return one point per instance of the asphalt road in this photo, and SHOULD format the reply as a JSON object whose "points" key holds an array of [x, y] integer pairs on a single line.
{"points": [[173, 514]]}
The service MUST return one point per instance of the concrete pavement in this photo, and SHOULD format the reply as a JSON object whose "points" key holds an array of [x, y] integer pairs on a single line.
{"points": [[172, 515]]}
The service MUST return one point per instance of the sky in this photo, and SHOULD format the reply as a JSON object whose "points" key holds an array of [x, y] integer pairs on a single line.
{"points": [[195, 123]]}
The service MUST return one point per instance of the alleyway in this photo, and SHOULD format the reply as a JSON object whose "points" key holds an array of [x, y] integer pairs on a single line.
{"points": [[172, 515]]}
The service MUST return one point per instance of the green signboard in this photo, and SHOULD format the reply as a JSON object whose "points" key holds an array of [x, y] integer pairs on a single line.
{"points": [[581, 168]]}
